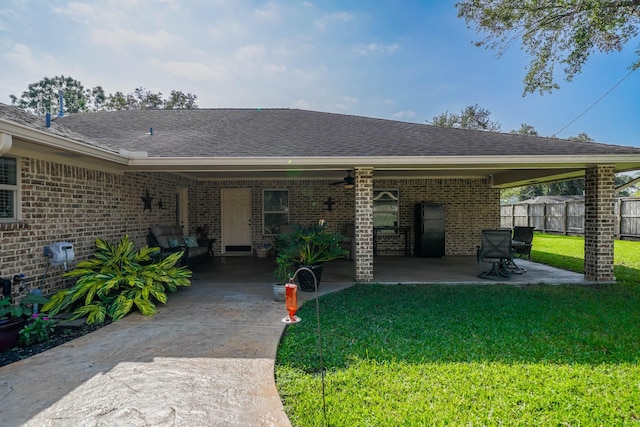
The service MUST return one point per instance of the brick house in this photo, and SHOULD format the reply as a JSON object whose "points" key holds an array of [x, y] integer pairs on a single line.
{"points": [[244, 172]]}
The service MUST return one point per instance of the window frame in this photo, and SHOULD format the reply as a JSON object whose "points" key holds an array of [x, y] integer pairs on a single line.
{"points": [[16, 190], [394, 193], [265, 212]]}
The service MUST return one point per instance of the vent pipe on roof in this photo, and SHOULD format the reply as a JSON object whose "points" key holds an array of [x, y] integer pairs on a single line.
{"points": [[61, 103], [47, 119]]}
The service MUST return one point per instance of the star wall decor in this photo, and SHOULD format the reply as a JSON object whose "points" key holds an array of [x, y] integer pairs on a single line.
{"points": [[146, 199]]}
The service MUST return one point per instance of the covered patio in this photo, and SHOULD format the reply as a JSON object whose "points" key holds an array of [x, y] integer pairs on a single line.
{"points": [[387, 270]]}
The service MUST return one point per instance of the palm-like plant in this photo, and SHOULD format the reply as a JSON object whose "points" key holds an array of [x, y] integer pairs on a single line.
{"points": [[118, 279], [311, 245]]}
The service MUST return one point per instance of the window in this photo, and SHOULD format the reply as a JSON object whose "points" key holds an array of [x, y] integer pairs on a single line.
{"points": [[275, 210], [385, 209], [8, 189]]}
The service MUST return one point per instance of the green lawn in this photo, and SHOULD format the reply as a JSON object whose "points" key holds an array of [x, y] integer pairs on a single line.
{"points": [[567, 252], [470, 355]]}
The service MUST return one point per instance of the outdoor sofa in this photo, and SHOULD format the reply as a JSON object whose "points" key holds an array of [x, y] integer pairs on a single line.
{"points": [[169, 239]]}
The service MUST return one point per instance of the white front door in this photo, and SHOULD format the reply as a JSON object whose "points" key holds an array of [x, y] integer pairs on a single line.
{"points": [[236, 221]]}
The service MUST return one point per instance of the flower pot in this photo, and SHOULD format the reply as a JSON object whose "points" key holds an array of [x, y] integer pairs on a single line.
{"points": [[262, 253], [305, 278], [279, 292], [9, 329]]}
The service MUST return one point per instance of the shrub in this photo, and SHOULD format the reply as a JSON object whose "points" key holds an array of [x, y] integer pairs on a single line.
{"points": [[118, 279], [37, 330]]}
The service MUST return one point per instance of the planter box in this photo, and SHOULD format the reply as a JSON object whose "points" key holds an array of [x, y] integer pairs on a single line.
{"points": [[262, 253], [9, 330]]}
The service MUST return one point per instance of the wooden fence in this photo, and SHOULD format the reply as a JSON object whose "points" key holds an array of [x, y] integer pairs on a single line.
{"points": [[568, 217]]}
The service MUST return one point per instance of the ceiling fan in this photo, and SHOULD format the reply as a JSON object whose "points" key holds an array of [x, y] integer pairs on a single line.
{"points": [[347, 182]]}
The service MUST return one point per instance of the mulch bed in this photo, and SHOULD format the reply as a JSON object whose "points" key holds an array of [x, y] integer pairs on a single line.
{"points": [[60, 335]]}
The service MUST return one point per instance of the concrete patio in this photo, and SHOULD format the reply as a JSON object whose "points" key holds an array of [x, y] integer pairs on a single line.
{"points": [[387, 270], [207, 358]]}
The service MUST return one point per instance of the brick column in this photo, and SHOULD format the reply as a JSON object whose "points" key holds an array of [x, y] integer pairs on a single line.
{"points": [[364, 225], [599, 223]]}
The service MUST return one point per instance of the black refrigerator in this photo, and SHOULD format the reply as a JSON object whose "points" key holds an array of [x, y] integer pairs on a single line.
{"points": [[429, 230]]}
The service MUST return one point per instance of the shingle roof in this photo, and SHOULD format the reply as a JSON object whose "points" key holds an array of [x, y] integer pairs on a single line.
{"points": [[292, 132], [21, 117]]}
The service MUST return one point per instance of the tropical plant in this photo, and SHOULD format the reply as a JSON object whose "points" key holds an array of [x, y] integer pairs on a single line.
{"points": [[283, 267], [310, 245], [37, 330], [118, 279], [21, 310]]}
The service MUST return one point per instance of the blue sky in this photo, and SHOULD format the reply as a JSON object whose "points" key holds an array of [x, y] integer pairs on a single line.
{"points": [[401, 60]]}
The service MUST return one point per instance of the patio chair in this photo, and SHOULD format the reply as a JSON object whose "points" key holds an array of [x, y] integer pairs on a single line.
{"points": [[524, 238], [496, 249], [349, 242]]}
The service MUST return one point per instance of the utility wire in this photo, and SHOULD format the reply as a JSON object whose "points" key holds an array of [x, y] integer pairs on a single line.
{"points": [[596, 102]]}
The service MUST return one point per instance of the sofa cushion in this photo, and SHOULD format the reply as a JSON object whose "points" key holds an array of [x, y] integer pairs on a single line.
{"points": [[191, 241]]}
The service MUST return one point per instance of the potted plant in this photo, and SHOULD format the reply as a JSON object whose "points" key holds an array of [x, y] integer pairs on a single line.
{"points": [[12, 318], [263, 250], [282, 274], [311, 246]]}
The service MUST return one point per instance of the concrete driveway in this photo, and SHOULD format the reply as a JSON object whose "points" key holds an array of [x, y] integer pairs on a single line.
{"points": [[206, 359]]}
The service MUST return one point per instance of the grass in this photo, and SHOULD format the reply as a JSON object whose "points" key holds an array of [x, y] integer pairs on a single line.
{"points": [[567, 252], [470, 355]]}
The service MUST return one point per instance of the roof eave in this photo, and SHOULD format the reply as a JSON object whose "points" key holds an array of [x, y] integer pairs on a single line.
{"points": [[60, 143]]}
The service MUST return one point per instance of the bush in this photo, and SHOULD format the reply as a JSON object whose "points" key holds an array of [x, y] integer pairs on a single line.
{"points": [[118, 279], [37, 330]]}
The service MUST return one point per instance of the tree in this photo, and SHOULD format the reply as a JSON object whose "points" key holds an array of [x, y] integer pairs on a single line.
{"points": [[180, 101], [116, 102], [525, 129], [553, 33], [581, 137], [472, 117], [42, 97]]}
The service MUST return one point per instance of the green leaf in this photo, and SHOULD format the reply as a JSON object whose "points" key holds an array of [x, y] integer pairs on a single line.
{"points": [[146, 307]]}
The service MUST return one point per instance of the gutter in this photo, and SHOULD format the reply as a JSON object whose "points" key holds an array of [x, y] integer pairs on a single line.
{"points": [[58, 142]]}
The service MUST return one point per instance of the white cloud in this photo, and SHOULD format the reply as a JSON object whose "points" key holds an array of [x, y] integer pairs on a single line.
{"points": [[404, 115], [301, 104], [194, 70], [251, 52], [21, 57], [122, 38], [274, 68], [376, 49], [326, 20], [269, 13]]}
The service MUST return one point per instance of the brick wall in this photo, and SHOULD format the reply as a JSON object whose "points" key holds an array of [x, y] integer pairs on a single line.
{"points": [[74, 204], [306, 205], [364, 225], [599, 223], [471, 205]]}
